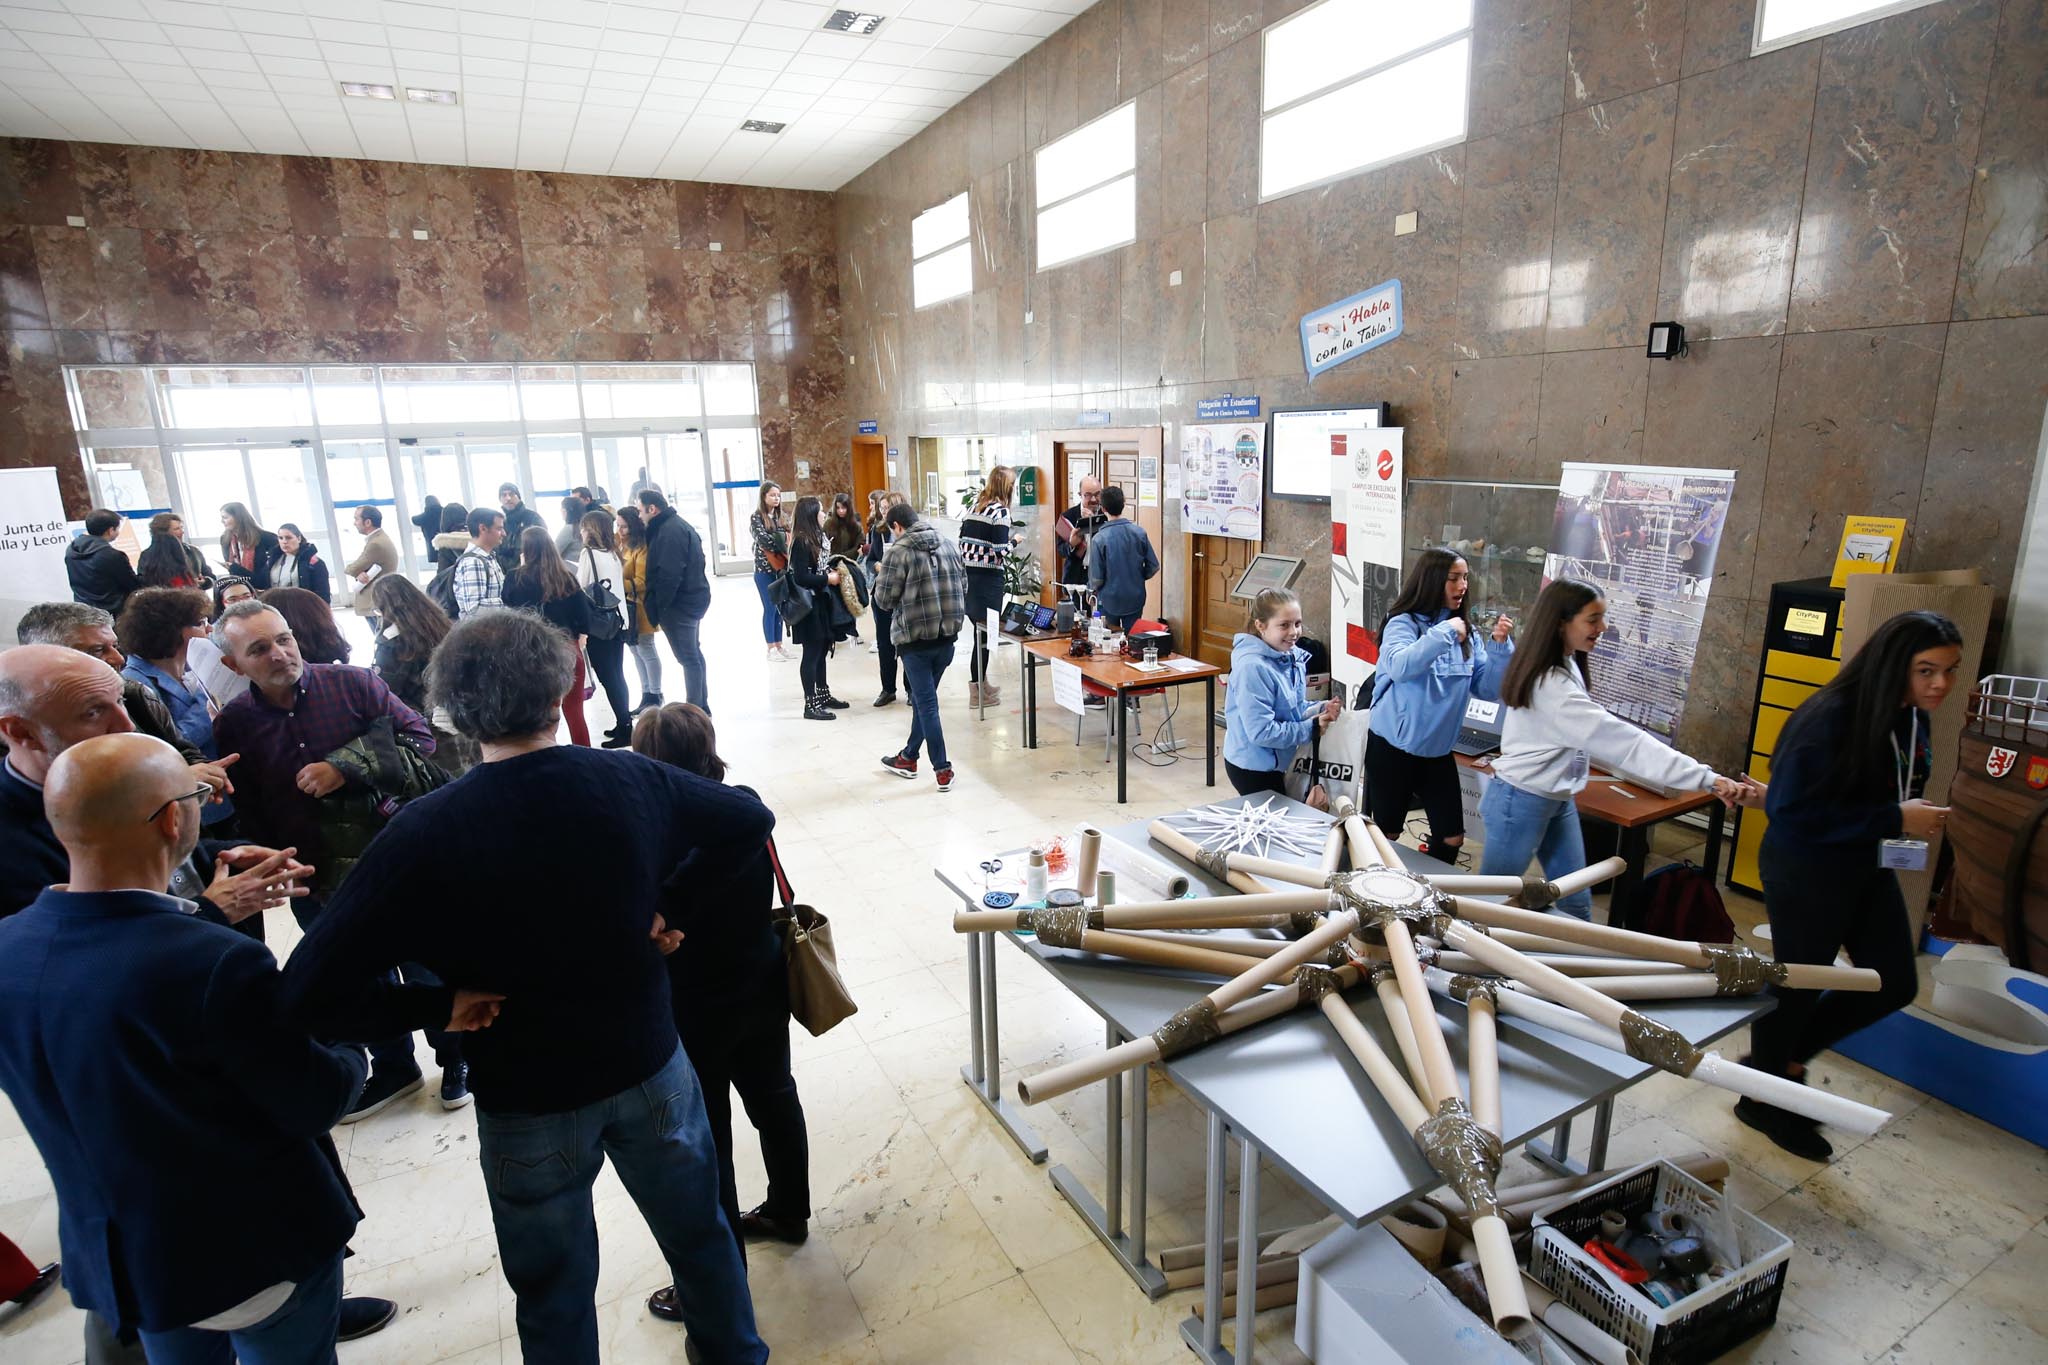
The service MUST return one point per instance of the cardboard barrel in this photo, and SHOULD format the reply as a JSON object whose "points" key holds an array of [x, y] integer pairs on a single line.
{"points": [[1998, 798]]}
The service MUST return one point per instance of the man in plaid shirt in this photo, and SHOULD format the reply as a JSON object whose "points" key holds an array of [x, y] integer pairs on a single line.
{"points": [[923, 585], [479, 580]]}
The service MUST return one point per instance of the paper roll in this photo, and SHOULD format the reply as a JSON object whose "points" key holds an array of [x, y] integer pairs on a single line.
{"points": [[1142, 877], [1421, 1227], [1091, 854]]}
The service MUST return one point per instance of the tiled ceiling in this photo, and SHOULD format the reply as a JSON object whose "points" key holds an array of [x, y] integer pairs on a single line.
{"points": [[650, 89]]}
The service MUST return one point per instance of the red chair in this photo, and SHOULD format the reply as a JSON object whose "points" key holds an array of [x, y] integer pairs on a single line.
{"points": [[1113, 722]]}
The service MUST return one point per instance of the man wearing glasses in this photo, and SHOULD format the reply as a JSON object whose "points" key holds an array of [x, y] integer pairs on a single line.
{"points": [[135, 1041]]}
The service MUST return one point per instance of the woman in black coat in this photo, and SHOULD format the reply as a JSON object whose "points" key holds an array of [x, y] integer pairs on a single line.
{"points": [[807, 569], [247, 549], [428, 519], [299, 564], [543, 583]]}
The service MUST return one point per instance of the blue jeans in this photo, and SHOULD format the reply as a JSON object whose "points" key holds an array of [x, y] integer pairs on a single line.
{"points": [[299, 1333], [1521, 826], [682, 638], [538, 1170], [771, 619], [923, 666]]}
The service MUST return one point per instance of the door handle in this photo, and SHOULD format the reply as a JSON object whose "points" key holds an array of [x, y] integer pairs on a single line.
{"points": [[1200, 555]]}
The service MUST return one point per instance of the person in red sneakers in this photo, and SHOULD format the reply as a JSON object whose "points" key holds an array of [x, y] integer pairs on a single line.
{"points": [[923, 586], [22, 1282]]}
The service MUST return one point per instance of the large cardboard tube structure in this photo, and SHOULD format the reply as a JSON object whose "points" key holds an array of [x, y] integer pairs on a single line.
{"points": [[1220, 911], [1177, 842]]}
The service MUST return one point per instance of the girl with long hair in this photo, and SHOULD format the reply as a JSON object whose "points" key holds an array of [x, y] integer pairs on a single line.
{"points": [[630, 539], [543, 583], [768, 525], [1846, 808], [246, 548], [845, 536], [1267, 714], [1429, 668], [1554, 732], [165, 561], [414, 625], [599, 564], [984, 546], [312, 621], [299, 564], [809, 571]]}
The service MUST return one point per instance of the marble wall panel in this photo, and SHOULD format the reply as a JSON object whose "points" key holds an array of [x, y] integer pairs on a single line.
{"points": [[64, 263], [1618, 47], [1613, 174], [1721, 689], [1494, 408], [1086, 318], [2005, 243], [1732, 226], [1286, 285], [1717, 32], [1141, 50], [1183, 34], [1356, 246], [1181, 310], [1184, 149], [309, 196], [21, 281], [157, 182], [38, 184], [178, 286], [1895, 129], [1855, 413], [104, 194], [1141, 294], [1510, 206], [1518, 54], [121, 277], [1233, 128], [1098, 42], [1229, 275], [1231, 21], [1986, 440], [1592, 407], [1713, 410]]}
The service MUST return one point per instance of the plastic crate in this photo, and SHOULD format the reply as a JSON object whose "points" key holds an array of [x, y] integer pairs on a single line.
{"points": [[1697, 1328]]}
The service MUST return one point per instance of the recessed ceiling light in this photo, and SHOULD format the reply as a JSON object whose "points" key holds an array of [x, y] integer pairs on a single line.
{"points": [[364, 91], [756, 125], [420, 96], [857, 22]]}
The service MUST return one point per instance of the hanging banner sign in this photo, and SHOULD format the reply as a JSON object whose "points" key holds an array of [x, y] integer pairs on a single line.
{"points": [[1222, 480], [33, 536], [1228, 408], [1348, 329], [1365, 546]]}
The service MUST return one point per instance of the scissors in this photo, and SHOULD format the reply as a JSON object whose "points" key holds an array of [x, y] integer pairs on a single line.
{"points": [[992, 865]]}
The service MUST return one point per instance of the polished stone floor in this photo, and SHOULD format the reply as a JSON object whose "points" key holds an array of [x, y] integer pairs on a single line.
{"points": [[935, 1241]]}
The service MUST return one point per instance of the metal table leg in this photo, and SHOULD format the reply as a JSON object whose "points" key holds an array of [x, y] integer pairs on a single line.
{"points": [[1128, 1246], [1209, 686], [1204, 1335], [1247, 1250], [1141, 1103], [1123, 746], [984, 1073], [1113, 1177], [1555, 1155]]}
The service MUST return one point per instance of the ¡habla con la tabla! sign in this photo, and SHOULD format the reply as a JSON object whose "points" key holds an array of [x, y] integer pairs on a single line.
{"points": [[1348, 329]]}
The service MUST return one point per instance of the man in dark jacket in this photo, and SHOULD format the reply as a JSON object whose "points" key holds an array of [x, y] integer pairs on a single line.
{"points": [[135, 1041], [518, 516], [100, 575], [678, 593]]}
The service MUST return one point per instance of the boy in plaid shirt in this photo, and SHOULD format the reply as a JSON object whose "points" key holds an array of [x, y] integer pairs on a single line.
{"points": [[923, 585]]}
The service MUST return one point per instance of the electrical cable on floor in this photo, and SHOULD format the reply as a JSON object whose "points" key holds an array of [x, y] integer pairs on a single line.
{"points": [[1174, 755]]}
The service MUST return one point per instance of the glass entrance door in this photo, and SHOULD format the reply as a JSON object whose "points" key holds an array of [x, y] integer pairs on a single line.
{"points": [[277, 483], [671, 462], [735, 454], [456, 470], [359, 475]]}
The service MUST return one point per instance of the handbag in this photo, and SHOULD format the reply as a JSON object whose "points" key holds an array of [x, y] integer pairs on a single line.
{"points": [[817, 997], [791, 602]]}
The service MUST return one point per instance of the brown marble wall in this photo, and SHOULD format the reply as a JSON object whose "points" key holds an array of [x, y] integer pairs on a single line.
{"points": [[194, 257], [1851, 229]]}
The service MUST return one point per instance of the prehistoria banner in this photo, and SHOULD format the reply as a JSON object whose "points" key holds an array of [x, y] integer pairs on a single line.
{"points": [[1365, 546], [1351, 327], [1223, 480], [1647, 537]]}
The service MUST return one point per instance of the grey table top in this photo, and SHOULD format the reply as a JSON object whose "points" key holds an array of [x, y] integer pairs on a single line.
{"points": [[1294, 1089]]}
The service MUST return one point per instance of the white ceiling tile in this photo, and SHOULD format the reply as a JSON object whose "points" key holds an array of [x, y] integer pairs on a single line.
{"points": [[419, 15], [507, 49], [697, 28], [688, 71], [654, 102], [128, 30], [940, 11], [723, 9], [791, 83], [346, 31], [775, 36], [556, 54], [494, 86], [491, 66], [251, 21], [837, 45], [641, 20], [606, 98], [547, 74], [64, 44], [548, 90], [183, 12], [740, 78], [496, 26], [793, 13], [350, 54], [161, 54], [913, 31], [839, 104], [274, 45], [810, 64], [609, 64], [205, 39], [758, 58], [43, 21], [298, 69], [424, 40], [476, 99]]}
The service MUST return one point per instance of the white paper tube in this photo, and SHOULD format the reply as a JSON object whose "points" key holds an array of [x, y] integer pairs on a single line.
{"points": [[1266, 907], [1142, 878], [1429, 1034], [1483, 1062], [1333, 848], [1243, 947], [1160, 953], [1503, 1276], [1086, 863], [1597, 1345], [1389, 992], [1356, 839], [1571, 964], [1273, 870], [1662, 986], [1379, 1069], [1187, 848], [1542, 943]]}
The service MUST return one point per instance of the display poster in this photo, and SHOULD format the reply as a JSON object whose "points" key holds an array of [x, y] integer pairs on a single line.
{"points": [[1066, 686], [1869, 545], [1350, 327], [33, 534], [1223, 480], [1647, 537], [1365, 546]]}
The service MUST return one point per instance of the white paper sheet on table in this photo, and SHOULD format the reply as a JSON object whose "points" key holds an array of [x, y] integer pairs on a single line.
{"points": [[1066, 686]]}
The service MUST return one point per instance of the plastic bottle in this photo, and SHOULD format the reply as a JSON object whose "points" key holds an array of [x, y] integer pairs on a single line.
{"points": [[1034, 877]]}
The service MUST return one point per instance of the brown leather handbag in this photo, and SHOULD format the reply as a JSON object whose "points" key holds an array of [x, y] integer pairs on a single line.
{"points": [[818, 998]]}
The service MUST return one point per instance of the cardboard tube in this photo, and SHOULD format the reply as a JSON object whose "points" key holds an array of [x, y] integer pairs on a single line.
{"points": [[1178, 842], [1235, 1009], [1090, 857], [1194, 1253], [1539, 943], [1379, 1068], [1502, 1275], [1268, 1272], [1139, 877], [1799, 976], [1429, 1034], [1243, 947], [1272, 1296], [1421, 1227], [1582, 1335], [1389, 991], [1659, 986], [1363, 853], [1483, 1061], [1571, 964], [1161, 954], [1333, 846], [1135, 914], [1273, 870]]}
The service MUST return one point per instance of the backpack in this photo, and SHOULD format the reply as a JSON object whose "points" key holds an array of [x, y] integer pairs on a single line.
{"points": [[442, 590], [1678, 902], [605, 623]]}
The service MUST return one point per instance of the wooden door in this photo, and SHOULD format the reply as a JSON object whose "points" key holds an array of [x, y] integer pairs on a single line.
{"points": [[1215, 617], [1122, 468], [870, 471]]}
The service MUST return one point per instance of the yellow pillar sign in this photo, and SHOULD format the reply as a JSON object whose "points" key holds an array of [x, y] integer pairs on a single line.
{"points": [[1869, 545]]}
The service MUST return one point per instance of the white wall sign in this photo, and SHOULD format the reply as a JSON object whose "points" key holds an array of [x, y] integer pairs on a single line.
{"points": [[33, 534], [1223, 480], [1365, 546], [1066, 686]]}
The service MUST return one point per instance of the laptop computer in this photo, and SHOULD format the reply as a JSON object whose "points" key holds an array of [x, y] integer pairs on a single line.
{"points": [[1479, 735]]}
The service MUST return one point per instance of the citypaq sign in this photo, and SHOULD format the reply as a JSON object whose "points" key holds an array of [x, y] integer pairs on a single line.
{"points": [[1351, 327]]}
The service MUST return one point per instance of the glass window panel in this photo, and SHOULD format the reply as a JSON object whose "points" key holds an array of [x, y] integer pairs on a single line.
{"points": [[346, 396], [1096, 221], [212, 477], [1089, 155], [947, 275], [557, 463], [548, 393], [1790, 21], [736, 464], [284, 494], [454, 393], [127, 479], [491, 464], [1322, 138], [939, 227], [235, 397], [643, 391], [113, 398], [357, 472], [1341, 38], [729, 389]]}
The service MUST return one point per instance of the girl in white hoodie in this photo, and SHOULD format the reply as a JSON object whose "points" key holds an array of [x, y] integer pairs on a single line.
{"points": [[1553, 733]]}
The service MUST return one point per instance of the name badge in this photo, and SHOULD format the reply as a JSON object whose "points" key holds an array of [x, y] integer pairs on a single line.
{"points": [[1579, 765], [1904, 855]]}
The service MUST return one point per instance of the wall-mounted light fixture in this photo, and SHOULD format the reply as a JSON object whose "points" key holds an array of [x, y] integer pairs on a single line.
{"points": [[1667, 340]]}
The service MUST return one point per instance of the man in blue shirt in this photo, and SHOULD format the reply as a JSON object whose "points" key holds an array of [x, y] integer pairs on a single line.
{"points": [[1120, 560]]}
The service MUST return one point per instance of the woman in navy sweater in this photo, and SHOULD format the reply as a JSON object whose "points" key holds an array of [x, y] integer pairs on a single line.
{"points": [[1845, 789]]}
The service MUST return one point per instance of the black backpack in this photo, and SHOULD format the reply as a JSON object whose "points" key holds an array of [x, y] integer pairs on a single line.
{"points": [[605, 621], [442, 590], [1678, 902]]}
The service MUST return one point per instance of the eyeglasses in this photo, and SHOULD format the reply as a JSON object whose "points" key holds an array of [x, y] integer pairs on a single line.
{"points": [[203, 790]]}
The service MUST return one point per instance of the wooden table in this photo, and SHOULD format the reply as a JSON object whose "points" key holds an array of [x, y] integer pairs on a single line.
{"points": [[1114, 675], [1632, 810]]}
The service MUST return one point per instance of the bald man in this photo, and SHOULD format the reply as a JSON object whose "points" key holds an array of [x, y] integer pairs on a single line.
{"points": [[184, 1125]]}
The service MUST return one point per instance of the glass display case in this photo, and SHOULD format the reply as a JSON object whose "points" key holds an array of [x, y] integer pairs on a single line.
{"points": [[1501, 530]]}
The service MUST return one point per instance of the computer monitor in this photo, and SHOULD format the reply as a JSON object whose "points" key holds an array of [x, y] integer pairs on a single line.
{"points": [[1298, 448]]}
